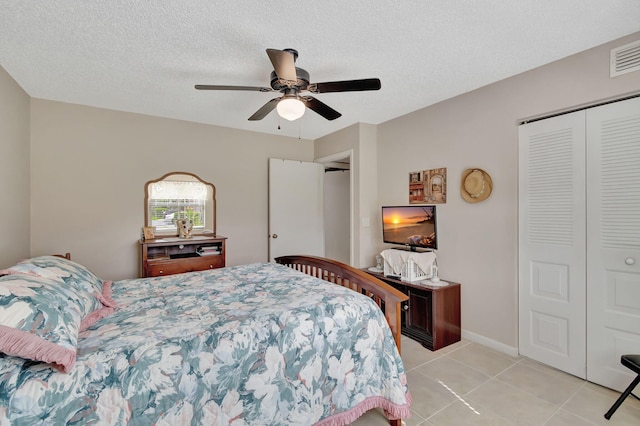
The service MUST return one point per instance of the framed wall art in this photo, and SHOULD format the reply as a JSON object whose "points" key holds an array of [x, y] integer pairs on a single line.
{"points": [[428, 186]]}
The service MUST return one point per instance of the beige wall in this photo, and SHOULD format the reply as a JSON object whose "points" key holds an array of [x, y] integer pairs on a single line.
{"points": [[361, 139], [337, 209], [89, 167], [14, 171], [478, 243]]}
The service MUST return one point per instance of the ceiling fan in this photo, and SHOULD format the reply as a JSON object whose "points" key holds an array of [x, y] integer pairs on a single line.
{"points": [[292, 82]]}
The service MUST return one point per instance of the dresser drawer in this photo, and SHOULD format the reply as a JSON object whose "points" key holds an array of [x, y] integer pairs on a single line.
{"points": [[167, 256], [156, 268]]}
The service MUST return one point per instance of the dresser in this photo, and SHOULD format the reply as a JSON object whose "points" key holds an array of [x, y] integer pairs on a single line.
{"points": [[431, 316], [172, 255]]}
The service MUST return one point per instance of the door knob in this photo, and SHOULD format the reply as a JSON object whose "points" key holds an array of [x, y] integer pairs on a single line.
{"points": [[630, 261], [274, 236]]}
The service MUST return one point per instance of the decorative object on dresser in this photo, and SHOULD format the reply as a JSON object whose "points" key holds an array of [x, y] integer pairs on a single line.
{"points": [[148, 232], [185, 227], [431, 316], [409, 266]]}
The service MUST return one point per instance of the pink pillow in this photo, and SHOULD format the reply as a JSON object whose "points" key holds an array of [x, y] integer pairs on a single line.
{"points": [[39, 319]]}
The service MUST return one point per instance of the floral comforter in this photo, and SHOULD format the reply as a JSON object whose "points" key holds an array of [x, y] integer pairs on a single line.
{"points": [[256, 344]]}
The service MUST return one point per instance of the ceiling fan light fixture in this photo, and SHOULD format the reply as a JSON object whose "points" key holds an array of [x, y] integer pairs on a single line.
{"points": [[290, 108], [292, 81]]}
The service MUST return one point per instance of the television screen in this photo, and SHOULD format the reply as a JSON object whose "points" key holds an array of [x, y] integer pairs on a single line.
{"points": [[412, 226]]}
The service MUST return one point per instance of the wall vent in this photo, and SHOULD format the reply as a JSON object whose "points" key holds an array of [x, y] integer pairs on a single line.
{"points": [[625, 59]]}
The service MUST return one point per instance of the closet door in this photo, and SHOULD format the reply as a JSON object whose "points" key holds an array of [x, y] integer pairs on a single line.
{"points": [[613, 240], [552, 289]]}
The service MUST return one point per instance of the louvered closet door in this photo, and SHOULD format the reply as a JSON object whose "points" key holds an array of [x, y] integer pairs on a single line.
{"points": [[552, 242], [613, 240]]}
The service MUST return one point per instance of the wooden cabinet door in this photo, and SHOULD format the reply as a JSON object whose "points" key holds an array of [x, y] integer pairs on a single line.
{"points": [[420, 314]]}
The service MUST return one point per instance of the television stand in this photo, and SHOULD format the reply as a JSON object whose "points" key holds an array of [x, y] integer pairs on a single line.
{"points": [[431, 316]]}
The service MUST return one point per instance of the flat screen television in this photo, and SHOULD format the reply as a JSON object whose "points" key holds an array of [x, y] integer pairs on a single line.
{"points": [[411, 226]]}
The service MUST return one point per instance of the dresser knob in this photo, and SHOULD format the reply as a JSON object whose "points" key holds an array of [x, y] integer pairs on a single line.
{"points": [[630, 261], [405, 307]]}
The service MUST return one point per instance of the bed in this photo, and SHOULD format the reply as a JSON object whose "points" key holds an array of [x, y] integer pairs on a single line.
{"points": [[259, 344]]}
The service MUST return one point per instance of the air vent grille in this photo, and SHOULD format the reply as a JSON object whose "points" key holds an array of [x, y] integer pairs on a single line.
{"points": [[625, 59]]}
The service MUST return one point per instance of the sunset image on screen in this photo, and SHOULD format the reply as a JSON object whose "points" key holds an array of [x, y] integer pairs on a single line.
{"points": [[412, 225]]}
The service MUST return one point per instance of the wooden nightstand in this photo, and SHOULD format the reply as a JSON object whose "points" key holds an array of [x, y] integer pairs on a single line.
{"points": [[431, 316]]}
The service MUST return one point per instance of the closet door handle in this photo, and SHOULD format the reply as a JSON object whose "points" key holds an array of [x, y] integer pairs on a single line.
{"points": [[630, 261]]}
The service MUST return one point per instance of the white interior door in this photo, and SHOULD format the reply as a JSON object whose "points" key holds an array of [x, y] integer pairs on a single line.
{"points": [[613, 246], [296, 221], [552, 287]]}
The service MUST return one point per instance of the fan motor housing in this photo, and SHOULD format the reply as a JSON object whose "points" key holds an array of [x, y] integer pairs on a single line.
{"points": [[301, 83]]}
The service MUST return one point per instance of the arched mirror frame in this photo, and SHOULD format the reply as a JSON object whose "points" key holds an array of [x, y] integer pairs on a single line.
{"points": [[210, 207]]}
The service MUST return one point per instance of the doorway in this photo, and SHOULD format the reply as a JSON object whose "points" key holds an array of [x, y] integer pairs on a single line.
{"points": [[338, 206]]}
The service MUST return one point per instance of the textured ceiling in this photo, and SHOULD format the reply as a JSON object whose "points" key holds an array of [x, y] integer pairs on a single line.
{"points": [[146, 56]]}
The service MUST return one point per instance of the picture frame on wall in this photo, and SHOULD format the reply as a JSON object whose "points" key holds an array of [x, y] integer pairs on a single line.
{"points": [[428, 186]]}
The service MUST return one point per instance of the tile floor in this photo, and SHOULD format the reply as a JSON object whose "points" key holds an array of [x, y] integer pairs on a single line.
{"points": [[470, 384]]}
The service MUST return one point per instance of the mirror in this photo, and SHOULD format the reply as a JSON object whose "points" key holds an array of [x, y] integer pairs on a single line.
{"points": [[179, 195]]}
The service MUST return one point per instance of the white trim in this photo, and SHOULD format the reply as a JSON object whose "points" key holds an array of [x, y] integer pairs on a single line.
{"points": [[490, 343]]}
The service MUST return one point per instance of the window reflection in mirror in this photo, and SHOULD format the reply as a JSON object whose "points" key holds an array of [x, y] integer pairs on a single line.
{"points": [[179, 195]]}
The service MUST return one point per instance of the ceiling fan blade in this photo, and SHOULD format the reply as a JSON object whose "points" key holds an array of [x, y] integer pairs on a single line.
{"points": [[217, 87], [266, 109], [346, 86], [283, 64], [320, 107]]}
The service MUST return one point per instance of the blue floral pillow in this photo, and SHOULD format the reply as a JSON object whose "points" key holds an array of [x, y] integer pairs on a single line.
{"points": [[40, 319], [90, 287]]}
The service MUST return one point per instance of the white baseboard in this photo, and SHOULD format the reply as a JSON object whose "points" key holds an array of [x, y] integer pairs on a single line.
{"points": [[490, 343]]}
